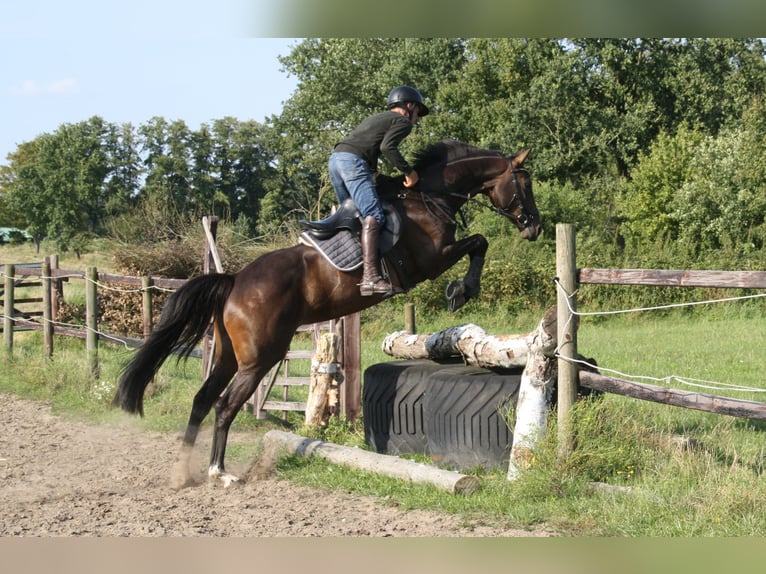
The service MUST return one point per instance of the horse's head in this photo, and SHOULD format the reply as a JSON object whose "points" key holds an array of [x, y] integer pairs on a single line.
{"points": [[511, 194], [459, 171]]}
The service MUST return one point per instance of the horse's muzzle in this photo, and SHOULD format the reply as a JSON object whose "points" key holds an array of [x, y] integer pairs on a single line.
{"points": [[531, 231]]}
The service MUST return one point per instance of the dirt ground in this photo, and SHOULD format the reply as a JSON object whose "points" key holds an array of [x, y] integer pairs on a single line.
{"points": [[63, 478]]}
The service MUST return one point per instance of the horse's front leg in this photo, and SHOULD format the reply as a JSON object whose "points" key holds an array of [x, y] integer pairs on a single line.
{"points": [[460, 291]]}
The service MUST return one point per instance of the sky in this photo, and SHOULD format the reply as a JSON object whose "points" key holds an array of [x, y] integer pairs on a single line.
{"points": [[64, 61]]}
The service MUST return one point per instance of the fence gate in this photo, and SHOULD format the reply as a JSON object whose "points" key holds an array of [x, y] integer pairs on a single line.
{"points": [[20, 276]]}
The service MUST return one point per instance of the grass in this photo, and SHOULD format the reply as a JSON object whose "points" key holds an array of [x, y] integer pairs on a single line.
{"points": [[684, 473], [673, 472]]}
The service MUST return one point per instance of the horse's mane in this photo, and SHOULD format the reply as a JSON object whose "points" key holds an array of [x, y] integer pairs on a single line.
{"points": [[445, 151], [436, 154]]}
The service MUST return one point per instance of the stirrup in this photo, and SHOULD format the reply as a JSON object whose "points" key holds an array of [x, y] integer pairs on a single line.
{"points": [[378, 286]]}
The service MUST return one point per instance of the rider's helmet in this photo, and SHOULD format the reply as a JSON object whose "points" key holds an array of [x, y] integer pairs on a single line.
{"points": [[404, 94]]}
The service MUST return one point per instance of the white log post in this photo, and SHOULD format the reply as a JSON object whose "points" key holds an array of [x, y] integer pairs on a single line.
{"points": [[535, 391], [359, 459]]}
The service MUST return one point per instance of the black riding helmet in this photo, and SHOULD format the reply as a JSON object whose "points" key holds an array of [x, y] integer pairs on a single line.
{"points": [[404, 94]]}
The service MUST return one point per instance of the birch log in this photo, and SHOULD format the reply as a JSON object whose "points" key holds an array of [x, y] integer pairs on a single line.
{"points": [[323, 369], [535, 393], [357, 458], [468, 341]]}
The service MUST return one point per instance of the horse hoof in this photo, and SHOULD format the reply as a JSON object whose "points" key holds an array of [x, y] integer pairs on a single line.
{"points": [[454, 289], [456, 303], [228, 479]]}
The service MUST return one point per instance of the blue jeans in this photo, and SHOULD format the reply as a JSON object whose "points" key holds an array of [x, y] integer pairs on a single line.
{"points": [[351, 177]]}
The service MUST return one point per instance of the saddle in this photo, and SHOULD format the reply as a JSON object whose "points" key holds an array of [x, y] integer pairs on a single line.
{"points": [[338, 237]]}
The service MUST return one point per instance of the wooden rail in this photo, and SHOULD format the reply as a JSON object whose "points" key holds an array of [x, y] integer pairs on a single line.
{"points": [[569, 377], [674, 278], [690, 400]]}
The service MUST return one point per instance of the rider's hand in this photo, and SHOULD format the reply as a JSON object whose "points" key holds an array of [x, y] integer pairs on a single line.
{"points": [[411, 179]]}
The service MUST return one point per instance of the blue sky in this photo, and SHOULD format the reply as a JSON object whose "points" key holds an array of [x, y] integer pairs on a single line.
{"points": [[63, 61]]}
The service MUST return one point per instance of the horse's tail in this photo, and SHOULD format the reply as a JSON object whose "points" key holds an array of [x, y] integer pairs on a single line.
{"points": [[184, 321]]}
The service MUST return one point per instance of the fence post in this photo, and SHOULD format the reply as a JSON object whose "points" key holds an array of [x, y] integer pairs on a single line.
{"points": [[91, 319], [57, 287], [567, 334], [146, 284], [409, 318], [45, 281], [351, 388], [211, 263], [10, 272]]}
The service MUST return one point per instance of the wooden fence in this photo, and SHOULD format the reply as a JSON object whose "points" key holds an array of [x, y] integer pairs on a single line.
{"points": [[50, 280], [570, 277]]}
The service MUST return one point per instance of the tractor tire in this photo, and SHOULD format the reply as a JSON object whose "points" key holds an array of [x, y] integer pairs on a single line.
{"points": [[392, 405], [465, 421]]}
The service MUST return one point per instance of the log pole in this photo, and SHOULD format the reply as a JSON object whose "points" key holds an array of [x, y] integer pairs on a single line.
{"points": [[409, 318], [91, 320], [45, 281], [469, 341], [393, 466], [690, 400]]}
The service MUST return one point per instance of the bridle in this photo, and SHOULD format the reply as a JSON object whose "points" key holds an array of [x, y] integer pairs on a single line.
{"points": [[526, 217], [523, 219]]}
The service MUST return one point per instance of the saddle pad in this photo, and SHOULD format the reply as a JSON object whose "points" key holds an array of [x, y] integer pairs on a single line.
{"points": [[343, 250]]}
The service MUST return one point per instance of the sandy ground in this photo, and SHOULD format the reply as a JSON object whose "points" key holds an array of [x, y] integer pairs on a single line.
{"points": [[64, 478]]}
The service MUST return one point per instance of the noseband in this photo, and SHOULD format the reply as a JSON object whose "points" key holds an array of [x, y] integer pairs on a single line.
{"points": [[524, 218]]}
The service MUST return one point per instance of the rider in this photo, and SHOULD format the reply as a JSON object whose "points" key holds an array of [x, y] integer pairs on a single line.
{"points": [[354, 160]]}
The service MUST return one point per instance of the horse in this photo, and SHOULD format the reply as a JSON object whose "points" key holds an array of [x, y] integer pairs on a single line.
{"points": [[256, 311]]}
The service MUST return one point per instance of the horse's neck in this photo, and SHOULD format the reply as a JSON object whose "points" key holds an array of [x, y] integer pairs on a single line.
{"points": [[388, 186]]}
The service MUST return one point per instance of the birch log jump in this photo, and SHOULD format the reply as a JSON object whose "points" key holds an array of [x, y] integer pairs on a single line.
{"points": [[388, 465], [533, 351], [535, 393], [471, 343]]}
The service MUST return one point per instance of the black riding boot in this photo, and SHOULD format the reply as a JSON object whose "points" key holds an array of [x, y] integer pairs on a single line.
{"points": [[372, 281]]}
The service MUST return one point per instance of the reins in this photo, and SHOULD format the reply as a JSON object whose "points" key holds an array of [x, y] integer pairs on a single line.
{"points": [[429, 203], [444, 216]]}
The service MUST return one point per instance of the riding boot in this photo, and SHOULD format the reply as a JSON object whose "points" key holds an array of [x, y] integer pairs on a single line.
{"points": [[372, 281]]}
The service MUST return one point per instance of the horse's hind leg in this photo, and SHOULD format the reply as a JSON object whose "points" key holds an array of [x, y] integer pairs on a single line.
{"points": [[226, 410], [224, 369]]}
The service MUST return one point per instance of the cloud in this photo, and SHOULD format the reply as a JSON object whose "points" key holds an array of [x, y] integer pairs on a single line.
{"points": [[63, 87]]}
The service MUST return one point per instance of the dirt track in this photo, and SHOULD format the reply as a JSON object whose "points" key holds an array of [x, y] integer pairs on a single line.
{"points": [[65, 478]]}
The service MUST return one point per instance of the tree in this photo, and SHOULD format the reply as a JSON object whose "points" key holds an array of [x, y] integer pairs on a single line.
{"points": [[23, 190], [59, 182], [341, 81], [646, 205], [166, 161], [125, 171]]}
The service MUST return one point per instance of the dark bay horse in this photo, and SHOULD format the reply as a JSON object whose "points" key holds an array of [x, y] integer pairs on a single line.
{"points": [[256, 311]]}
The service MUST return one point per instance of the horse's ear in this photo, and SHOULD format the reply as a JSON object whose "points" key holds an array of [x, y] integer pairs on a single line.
{"points": [[518, 159]]}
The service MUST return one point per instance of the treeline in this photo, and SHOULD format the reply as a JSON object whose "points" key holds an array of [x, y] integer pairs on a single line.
{"points": [[653, 148]]}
